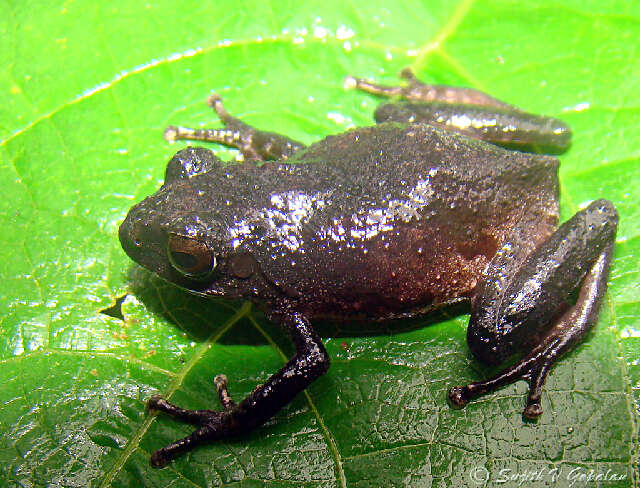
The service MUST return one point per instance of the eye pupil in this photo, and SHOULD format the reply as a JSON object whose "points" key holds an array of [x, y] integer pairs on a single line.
{"points": [[190, 256], [184, 260]]}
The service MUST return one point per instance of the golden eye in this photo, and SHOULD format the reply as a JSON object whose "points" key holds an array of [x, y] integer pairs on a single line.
{"points": [[190, 257]]}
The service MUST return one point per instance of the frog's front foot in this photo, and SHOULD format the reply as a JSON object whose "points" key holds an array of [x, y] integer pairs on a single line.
{"points": [[211, 424], [309, 362]]}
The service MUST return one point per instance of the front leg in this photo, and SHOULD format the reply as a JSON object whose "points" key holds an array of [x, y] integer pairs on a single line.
{"points": [[531, 307], [309, 362], [254, 144]]}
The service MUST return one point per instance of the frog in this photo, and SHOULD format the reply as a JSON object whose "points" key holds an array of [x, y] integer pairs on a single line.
{"points": [[378, 223]]}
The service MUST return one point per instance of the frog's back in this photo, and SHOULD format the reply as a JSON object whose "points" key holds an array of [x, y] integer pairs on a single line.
{"points": [[406, 153], [410, 217]]}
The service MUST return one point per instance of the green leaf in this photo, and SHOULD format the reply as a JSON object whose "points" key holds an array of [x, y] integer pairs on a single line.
{"points": [[87, 90]]}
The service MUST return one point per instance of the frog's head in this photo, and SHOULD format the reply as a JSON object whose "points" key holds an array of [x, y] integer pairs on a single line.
{"points": [[180, 232]]}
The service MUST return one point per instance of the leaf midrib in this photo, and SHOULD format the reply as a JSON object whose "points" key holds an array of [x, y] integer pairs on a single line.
{"points": [[132, 445]]}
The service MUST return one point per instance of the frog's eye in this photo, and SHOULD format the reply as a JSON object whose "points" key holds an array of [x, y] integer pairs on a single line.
{"points": [[190, 257]]}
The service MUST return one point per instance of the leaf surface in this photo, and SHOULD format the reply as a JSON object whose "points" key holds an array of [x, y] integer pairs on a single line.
{"points": [[88, 89]]}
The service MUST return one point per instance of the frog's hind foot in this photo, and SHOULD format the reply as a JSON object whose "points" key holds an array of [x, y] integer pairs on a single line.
{"points": [[254, 144], [413, 90], [417, 91], [374, 88], [534, 368], [212, 425]]}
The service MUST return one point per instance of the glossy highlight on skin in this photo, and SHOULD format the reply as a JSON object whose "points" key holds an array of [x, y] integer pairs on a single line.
{"points": [[373, 224], [469, 112], [504, 127]]}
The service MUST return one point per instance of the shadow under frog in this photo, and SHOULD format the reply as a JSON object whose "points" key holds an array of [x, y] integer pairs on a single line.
{"points": [[377, 223]]}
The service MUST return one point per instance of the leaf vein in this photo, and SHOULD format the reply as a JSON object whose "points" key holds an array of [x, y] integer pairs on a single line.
{"points": [[175, 384], [331, 444], [443, 34]]}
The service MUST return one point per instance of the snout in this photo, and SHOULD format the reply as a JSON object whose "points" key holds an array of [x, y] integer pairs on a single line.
{"points": [[142, 239]]}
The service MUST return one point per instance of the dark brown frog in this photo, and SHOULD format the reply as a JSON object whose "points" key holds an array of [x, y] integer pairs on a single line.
{"points": [[378, 223]]}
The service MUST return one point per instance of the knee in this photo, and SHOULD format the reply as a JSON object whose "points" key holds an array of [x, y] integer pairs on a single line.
{"points": [[317, 359]]}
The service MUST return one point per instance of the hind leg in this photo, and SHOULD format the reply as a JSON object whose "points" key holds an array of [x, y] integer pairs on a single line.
{"points": [[576, 256], [417, 91]]}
